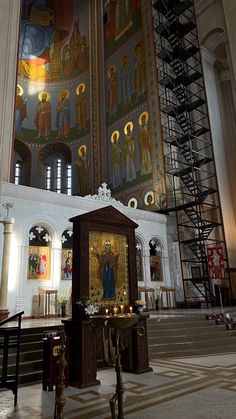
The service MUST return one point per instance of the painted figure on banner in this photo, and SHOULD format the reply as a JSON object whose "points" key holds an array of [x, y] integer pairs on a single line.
{"points": [[67, 63], [82, 170], [144, 145], [155, 268], [43, 116], [130, 152], [84, 54], [21, 112], [215, 259], [38, 263], [36, 38], [116, 159], [67, 265], [112, 90], [108, 263], [63, 114], [81, 107], [75, 42], [121, 15], [125, 81], [140, 70]]}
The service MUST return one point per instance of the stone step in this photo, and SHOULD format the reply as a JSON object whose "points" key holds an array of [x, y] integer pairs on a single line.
{"points": [[183, 324], [188, 336], [30, 377], [191, 342], [31, 354], [193, 352], [159, 338], [24, 356], [182, 331]]}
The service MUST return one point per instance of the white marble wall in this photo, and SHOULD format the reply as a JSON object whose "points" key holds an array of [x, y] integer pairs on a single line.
{"points": [[37, 207]]}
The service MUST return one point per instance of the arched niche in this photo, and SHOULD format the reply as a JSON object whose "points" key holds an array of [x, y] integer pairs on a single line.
{"points": [[22, 154], [139, 259], [66, 254], [155, 251], [39, 254], [48, 156]]}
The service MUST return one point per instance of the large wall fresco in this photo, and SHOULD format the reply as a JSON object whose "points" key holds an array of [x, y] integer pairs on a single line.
{"points": [[52, 97], [135, 160], [52, 104], [128, 132]]}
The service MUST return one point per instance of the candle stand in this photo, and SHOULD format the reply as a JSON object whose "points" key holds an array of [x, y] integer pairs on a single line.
{"points": [[120, 323]]}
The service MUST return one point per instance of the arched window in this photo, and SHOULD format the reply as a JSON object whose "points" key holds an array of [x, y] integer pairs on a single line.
{"points": [[48, 177], [68, 179], [58, 176], [18, 173]]}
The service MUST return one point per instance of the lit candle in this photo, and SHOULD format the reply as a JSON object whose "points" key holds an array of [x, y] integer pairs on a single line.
{"points": [[106, 310], [121, 308], [131, 309]]}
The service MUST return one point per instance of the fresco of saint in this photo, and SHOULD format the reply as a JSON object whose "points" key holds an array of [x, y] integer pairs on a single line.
{"points": [[21, 112], [82, 169], [81, 107], [144, 144], [140, 70], [130, 152], [116, 159], [125, 81], [112, 90], [43, 116], [63, 114]]}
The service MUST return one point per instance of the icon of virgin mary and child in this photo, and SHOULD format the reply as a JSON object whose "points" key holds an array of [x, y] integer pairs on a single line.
{"points": [[108, 267]]}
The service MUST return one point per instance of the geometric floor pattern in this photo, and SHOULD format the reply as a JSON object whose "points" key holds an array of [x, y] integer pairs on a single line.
{"points": [[184, 388]]}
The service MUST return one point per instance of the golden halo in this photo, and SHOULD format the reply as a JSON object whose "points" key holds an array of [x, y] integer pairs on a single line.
{"points": [[80, 148], [146, 195], [78, 88], [131, 127], [48, 96], [112, 136], [21, 90], [140, 117], [67, 94], [134, 203], [109, 70]]}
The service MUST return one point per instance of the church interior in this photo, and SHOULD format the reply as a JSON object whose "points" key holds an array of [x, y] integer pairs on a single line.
{"points": [[118, 206]]}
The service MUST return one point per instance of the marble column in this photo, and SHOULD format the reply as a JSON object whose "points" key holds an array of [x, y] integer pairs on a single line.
{"points": [[8, 227], [146, 267], [9, 33], [221, 138]]}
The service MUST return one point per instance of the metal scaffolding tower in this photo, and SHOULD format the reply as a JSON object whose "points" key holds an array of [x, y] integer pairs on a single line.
{"points": [[189, 158]]}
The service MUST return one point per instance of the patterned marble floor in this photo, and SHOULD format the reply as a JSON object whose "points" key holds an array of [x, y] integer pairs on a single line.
{"points": [[190, 388]]}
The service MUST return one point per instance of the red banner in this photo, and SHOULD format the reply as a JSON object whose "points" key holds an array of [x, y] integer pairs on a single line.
{"points": [[215, 261]]}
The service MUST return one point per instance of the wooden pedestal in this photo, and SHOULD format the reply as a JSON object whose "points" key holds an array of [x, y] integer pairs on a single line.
{"points": [[134, 357], [82, 353]]}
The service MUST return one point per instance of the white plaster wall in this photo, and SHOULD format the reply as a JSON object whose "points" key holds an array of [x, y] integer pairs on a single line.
{"points": [[37, 207]]}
